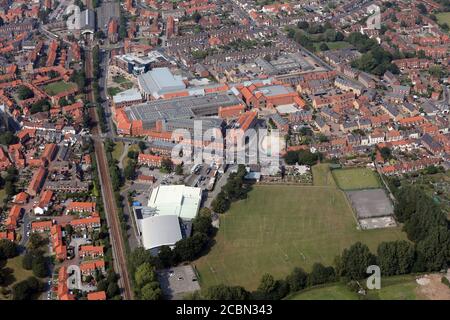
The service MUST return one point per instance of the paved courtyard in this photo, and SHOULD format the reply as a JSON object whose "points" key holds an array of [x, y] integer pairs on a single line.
{"points": [[370, 203], [177, 282]]}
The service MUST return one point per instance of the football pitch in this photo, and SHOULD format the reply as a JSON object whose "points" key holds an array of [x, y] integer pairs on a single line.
{"points": [[356, 179], [278, 228]]}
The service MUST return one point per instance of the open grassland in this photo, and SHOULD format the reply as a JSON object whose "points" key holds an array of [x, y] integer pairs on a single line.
{"points": [[333, 45], [278, 228], [443, 17], [118, 150], [356, 179], [392, 288], [322, 175], [55, 88]]}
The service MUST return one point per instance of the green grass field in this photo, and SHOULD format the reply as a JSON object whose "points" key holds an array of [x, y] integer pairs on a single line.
{"points": [[278, 228], [114, 91], [333, 45], [322, 175], [2, 196], [392, 288], [443, 17], [55, 88], [118, 150], [120, 79], [356, 178], [133, 147]]}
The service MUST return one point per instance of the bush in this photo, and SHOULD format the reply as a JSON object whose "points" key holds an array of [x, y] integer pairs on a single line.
{"points": [[445, 281], [321, 274], [297, 280], [222, 292]]}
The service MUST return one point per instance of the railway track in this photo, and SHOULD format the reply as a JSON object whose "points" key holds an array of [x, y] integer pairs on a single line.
{"points": [[112, 217]]}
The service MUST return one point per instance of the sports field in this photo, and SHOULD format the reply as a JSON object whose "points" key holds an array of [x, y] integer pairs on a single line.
{"points": [[356, 179], [392, 288], [280, 227], [55, 88]]}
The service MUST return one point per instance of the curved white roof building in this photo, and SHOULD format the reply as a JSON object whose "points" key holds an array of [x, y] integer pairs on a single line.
{"points": [[160, 231]]}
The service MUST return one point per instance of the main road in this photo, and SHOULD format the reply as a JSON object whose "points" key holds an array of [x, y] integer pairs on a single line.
{"points": [[112, 216]]}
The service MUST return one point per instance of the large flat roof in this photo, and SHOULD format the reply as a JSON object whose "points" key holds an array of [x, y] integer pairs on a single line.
{"points": [[180, 108], [178, 200], [127, 95], [160, 231], [159, 81]]}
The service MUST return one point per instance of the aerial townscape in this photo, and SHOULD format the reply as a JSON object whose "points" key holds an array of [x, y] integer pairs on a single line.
{"points": [[224, 150]]}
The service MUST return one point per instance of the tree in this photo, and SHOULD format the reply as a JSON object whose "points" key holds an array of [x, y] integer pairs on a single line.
{"points": [[179, 169], [435, 249], [144, 274], [142, 146], [27, 261], [39, 266], [102, 285], [69, 229], [8, 249], [330, 35], [196, 16], [297, 280], [7, 138], [202, 224], [166, 165], [386, 153], [321, 274], [112, 290], [151, 291], [422, 9], [340, 36], [35, 241], [355, 260], [222, 292], [166, 256], [40, 106], [25, 290], [324, 47], [205, 211], [304, 25], [220, 204], [190, 248], [271, 289], [130, 170], [267, 283], [138, 257], [395, 257], [24, 93]]}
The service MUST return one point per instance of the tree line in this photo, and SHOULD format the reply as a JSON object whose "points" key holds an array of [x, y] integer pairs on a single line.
{"points": [[235, 189]]}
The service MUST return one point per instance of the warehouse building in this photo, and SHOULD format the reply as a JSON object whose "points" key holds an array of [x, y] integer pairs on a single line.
{"points": [[159, 81]]}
